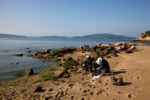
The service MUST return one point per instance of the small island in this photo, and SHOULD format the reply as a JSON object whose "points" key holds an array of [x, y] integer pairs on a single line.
{"points": [[144, 37]]}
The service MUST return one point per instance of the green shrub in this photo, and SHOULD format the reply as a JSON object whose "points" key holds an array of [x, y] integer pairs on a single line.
{"points": [[49, 76], [47, 73], [49, 69], [24, 72], [80, 62], [20, 73], [51, 58], [69, 64], [58, 64], [69, 58]]}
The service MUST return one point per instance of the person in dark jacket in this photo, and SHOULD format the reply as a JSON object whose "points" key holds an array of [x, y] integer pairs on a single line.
{"points": [[87, 64], [103, 66]]}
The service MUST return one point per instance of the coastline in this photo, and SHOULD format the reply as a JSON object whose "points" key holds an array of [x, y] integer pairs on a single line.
{"points": [[80, 86], [144, 41]]}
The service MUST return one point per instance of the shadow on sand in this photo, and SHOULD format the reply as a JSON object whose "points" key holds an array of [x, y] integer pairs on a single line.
{"points": [[119, 72], [126, 83]]}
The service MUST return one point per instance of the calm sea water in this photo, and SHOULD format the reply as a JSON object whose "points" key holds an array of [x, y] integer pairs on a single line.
{"points": [[11, 46]]}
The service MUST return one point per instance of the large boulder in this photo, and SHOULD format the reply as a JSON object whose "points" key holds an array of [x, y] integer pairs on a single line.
{"points": [[104, 46], [130, 44], [94, 48], [119, 44], [132, 47], [99, 45], [118, 48]]}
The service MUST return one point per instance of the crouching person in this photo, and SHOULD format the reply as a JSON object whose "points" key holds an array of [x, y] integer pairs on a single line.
{"points": [[103, 66], [87, 64]]}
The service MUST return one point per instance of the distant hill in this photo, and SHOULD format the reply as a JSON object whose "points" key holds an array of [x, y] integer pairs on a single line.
{"points": [[53, 37], [3, 35], [92, 36], [104, 36]]}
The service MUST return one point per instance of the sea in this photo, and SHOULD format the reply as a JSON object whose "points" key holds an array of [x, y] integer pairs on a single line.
{"points": [[10, 64]]}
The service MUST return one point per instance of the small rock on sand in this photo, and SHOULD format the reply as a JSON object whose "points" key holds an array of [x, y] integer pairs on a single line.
{"points": [[39, 89]]}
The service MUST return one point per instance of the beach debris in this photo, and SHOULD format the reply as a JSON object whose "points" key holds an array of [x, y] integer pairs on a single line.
{"points": [[96, 77]]}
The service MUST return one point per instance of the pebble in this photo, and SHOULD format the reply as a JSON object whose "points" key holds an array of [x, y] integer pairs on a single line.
{"points": [[129, 95], [91, 93], [51, 89]]}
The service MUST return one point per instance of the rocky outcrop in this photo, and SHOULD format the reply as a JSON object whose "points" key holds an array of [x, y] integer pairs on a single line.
{"points": [[109, 50], [144, 37], [52, 55]]}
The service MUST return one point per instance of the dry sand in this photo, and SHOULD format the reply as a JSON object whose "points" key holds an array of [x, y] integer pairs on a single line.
{"points": [[134, 68]]}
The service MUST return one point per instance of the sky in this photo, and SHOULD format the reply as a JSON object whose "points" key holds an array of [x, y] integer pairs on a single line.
{"points": [[74, 17]]}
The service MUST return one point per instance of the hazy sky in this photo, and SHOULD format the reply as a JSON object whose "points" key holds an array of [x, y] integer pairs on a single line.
{"points": [[74, 17]]}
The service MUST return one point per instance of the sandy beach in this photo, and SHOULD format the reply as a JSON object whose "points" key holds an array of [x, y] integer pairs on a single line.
{"points": [[134, 68]]}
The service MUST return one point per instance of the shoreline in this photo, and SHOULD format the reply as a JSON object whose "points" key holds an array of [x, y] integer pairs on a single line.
{"points": [[142, 41], [78, 85]]}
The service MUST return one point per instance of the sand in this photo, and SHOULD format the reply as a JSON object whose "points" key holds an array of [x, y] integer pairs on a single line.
{"points": [[134, 68]]}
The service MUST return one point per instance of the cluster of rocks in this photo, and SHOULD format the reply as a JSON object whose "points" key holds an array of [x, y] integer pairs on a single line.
{"points": [[49, 54], [99, 49], [109, 49]]}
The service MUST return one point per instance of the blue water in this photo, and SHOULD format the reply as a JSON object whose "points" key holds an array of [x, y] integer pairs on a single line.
{"points": [[11, 46]]}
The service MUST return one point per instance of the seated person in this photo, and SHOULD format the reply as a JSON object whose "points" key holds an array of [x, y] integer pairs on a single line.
{"points": [[103, 66], [87, 64]]}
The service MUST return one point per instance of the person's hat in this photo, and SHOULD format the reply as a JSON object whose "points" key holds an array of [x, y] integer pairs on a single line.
{"points": [[99, 61]]}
